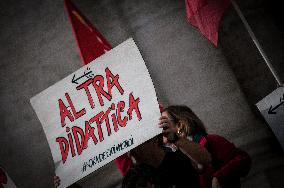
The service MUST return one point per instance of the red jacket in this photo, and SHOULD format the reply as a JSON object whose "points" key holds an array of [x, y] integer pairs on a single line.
{"points": [[229, 163]]}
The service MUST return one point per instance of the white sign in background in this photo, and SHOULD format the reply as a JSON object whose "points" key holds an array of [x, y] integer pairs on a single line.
{"points": [[272, 109], [129, 70]]}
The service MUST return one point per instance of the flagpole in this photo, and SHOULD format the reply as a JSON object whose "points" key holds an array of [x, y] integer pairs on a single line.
{"points": [[257, 44]]}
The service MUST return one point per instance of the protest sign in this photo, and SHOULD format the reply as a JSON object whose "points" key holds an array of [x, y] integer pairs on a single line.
{"points": [[272, 109], [5, 180], [99, 112]]}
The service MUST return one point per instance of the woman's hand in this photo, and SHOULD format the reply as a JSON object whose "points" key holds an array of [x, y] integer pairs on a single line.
{"points": [[56, 181], [167, 124], [169, 129]]}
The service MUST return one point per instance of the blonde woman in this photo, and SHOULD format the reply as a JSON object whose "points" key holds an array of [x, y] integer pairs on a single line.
{"points": [[228, 164], [183, 157]]}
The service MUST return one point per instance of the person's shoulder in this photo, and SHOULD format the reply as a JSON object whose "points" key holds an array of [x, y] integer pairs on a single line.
{"points": [[217, 141], [216, 138]]}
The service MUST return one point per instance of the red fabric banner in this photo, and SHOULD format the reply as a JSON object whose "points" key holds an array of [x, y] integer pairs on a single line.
{"points": [[206, 16], [90, 41]]}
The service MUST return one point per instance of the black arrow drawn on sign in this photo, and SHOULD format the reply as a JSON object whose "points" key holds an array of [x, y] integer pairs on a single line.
{"points": [[271, 110], [86, 74]]}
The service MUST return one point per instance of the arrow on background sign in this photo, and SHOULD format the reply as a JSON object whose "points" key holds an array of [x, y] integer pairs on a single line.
{"points": [[86, 74], [272, 110]]}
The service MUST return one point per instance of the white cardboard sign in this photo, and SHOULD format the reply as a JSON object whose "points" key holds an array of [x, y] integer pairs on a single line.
{"points": [[272, 109], [99, 112], [5, 180]]}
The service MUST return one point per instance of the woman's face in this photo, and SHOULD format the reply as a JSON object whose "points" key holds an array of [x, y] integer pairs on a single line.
{"points": [[177, 126]]}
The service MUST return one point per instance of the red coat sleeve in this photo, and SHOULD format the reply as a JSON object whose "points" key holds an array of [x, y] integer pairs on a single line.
{"points": [[238, 166], [234, 161]]}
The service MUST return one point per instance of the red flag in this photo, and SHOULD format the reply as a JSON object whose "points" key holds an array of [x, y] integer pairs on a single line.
{"points": [[206, 16], [91, 43]]}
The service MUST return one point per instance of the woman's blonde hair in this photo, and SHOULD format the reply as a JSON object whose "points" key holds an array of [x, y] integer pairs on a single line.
{"points": [[187, 119]]}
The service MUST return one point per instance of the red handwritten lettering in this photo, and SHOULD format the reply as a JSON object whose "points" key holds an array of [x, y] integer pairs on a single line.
{"points": [[120, 108], [89, 133], [114, 118], [64, 112], [64, 147], [133, 105], [113, 81], [85, 85], [78, 132]]}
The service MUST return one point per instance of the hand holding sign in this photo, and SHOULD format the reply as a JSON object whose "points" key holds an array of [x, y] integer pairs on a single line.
{"points": [[56, 181]]}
